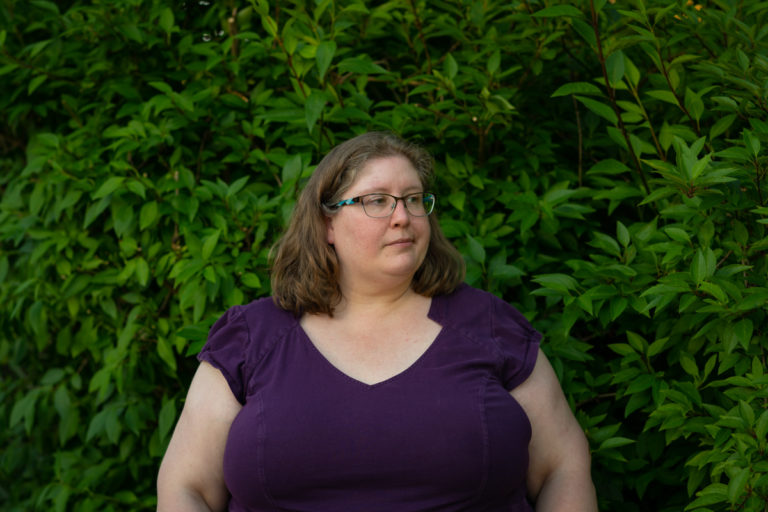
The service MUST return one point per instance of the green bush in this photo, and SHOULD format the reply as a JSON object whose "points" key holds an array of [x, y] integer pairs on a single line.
{"points": [[601, 166]]}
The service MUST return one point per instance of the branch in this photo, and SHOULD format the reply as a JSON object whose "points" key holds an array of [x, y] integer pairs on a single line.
{"points": [[612, 98]]}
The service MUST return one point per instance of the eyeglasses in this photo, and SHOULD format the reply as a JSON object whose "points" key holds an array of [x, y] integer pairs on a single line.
{"points": [[419, 204]]}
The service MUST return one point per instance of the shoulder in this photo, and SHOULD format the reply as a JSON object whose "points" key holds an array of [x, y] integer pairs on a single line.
{"points": [[241, 337], [262, 320], [494, 323], [247, 331], [472, 310]]}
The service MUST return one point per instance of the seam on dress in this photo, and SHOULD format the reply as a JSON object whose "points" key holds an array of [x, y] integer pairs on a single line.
{"points": [[486, 460], [261, 438]]}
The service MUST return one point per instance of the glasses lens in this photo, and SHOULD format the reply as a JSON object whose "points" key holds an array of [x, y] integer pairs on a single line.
{"points": [[429, 203], [382, 205], [419, 205], [378, 205]]}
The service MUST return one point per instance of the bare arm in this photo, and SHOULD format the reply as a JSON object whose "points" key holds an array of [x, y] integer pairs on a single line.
{"points": [[191, 475], [559, 478]]}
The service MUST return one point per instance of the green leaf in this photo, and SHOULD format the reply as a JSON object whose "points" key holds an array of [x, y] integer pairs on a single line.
{"points": [[586, 32], [324, 56], [494, 60], [251, 280], [36, 82], [476, 250], [165, 352], [236, 187], [677, 234], [559, 282], [601, 109], [456, 199], [142, 271], [576, 88], [615, 442], [637, 342], [721, 125], [269, 25], [761, 427], [210, 244], [147, 215], [622, 234], [162, 87], [166, 418], [617, 307], [361, 65], [109, 186], [714, 290], [743, 331], [313, 108], [666, 96], [450, 67], [713, 493], [166, 20], [52, 376], [94, 210], [557, 11], [737, 485], [693, 104], [292, 169], [688, 364], [614, 64], [657, 346], [24, 409]]}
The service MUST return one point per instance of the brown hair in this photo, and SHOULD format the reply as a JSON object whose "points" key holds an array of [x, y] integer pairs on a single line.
{"points": [[305, 270]]}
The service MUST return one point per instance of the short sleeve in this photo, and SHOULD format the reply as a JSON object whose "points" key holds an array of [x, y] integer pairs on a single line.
{"points": [[517, 341], [226, 349]]}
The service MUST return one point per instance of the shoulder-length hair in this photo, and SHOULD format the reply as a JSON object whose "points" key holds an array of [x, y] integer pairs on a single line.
{"points": [[305, 269]]}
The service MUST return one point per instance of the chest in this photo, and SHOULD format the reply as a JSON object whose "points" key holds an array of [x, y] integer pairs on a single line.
{"points": [[441, 435], [372, 352]]}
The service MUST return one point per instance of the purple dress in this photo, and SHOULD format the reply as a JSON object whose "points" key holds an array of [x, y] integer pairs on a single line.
{"points": [[443, 435]]}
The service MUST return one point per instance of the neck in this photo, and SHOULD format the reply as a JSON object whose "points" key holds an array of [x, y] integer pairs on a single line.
{"points": [[370, 301]]}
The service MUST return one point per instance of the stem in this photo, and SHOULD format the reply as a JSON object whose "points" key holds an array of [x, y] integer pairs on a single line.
{"points": [[419, 28], [612, 98], [647, 118], [758, 178], [580, 139]]}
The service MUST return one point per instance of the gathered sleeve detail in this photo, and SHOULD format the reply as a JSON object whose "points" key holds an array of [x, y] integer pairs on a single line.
{"points": [[226, 349], [517, 342]]}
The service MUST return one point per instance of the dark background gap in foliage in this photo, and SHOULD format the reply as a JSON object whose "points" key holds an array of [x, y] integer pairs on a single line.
{"points": [[601, 166]]}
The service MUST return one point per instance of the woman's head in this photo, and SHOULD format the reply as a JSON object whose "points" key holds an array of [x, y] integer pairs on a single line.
{"points": [[305, 267]]}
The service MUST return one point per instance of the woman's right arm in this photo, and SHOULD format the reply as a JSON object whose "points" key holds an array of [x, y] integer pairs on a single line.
{"points": [[191, 475]]}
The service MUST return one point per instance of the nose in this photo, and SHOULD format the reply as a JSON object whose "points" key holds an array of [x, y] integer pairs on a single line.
{"points": [[400, 215]]}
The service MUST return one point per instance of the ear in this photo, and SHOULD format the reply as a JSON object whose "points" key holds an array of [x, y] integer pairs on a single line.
{"points": [[329, 235]]}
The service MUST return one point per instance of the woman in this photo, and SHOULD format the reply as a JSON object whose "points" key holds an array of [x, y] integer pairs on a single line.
{"points": [[374, 380]]}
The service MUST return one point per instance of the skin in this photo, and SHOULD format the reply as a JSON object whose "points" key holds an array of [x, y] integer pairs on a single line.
{"points": [[378, 258], [559, 478], [191, 476]]}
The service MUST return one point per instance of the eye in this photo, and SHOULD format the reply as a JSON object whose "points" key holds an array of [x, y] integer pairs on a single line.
{"points": [[377, 200], [415, 199]]}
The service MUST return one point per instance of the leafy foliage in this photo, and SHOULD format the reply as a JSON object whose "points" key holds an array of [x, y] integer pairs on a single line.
{"points": [[601, 166]]}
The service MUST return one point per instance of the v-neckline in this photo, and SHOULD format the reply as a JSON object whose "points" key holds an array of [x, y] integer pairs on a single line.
{"points": [[431, 313]]}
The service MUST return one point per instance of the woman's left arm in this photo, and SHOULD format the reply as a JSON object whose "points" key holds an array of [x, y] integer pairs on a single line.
{"points": [[559, 477]]}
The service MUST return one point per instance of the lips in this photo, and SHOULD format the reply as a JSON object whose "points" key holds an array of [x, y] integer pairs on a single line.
{"points": [[401, 241]]}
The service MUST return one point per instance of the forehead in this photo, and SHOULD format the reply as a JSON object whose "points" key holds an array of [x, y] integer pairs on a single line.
{"points": [[388, 171]]}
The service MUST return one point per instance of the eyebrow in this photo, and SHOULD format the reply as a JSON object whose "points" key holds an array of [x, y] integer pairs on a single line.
{"points": [[407, 190]]}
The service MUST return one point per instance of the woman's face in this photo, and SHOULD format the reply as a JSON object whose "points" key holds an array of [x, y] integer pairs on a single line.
{"points": [[385, 250]]}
